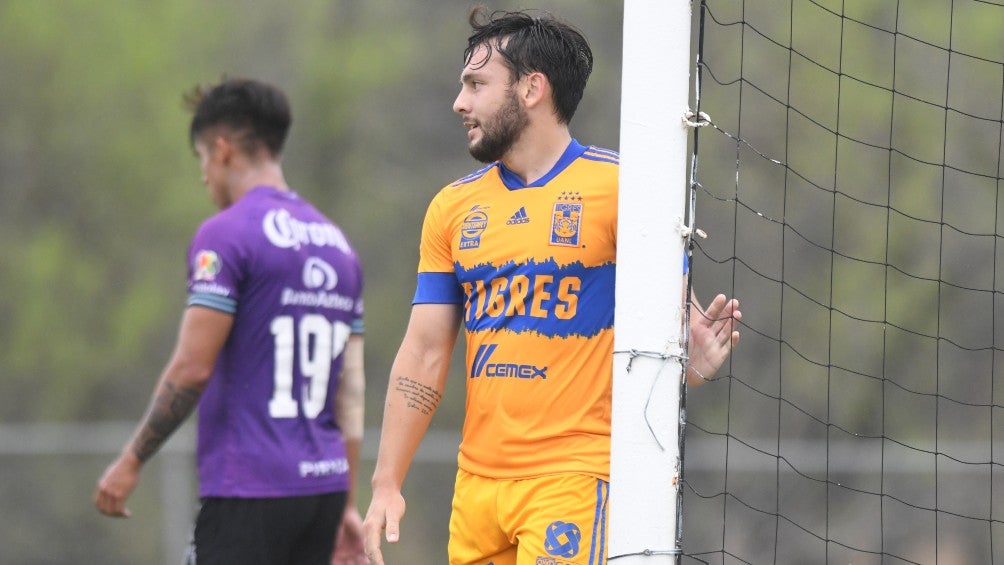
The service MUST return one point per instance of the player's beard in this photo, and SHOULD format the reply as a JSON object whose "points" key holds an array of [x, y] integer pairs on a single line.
{"points": [[500, 131]]}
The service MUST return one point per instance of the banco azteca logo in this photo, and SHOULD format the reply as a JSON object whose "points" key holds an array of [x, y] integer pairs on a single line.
{"points": [[318, 273]]}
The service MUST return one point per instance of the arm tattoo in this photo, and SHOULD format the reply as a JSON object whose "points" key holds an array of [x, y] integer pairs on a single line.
{"points": [[168, 411], [419, 397]]}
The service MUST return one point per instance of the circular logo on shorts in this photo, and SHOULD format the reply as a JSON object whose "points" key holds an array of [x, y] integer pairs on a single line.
{"points": [[562, 539]]}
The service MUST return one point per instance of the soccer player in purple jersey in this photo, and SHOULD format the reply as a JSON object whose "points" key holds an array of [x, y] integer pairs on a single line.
{"points": [[270, 348]]}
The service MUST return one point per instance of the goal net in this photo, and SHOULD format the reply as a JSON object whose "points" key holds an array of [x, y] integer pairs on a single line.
{"points": [[849, 183]]}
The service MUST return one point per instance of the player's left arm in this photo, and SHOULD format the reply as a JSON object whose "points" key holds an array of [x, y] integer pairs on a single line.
{"points": [[200, 339], [349, 411]]}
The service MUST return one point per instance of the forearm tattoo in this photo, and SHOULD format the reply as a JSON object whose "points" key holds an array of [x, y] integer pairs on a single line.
{"points": [[418, 396], [170, 407]]}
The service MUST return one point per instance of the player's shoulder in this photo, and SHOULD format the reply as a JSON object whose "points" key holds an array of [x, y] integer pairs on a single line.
{"points": [[473, 177], [222, 221], [593, 166]]}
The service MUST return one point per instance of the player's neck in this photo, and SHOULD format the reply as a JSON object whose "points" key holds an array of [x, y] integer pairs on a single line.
{"points": [[265, 173], [536, 151]]}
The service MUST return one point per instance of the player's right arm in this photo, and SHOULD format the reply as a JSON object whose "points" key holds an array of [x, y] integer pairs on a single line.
{"points": [[417, 382], [200, 340]]}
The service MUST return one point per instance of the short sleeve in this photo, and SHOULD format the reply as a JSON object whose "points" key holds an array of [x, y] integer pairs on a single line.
{"points": [[214, 268]]}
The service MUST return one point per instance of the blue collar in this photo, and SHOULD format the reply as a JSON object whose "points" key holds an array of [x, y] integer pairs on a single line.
{"points": [[512, 181]]}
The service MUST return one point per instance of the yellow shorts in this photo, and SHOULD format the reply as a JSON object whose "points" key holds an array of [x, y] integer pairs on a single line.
{"points": [[550, 520]]}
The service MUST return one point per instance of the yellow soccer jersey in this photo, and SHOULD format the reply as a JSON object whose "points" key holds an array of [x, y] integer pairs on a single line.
{"points": [[534, 268]]}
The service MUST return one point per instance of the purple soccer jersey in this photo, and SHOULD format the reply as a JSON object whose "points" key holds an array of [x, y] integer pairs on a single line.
{"points": [[294, 286]]}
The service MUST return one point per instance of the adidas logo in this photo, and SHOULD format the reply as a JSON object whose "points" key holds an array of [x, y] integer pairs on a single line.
{"points": [[519, 217]]}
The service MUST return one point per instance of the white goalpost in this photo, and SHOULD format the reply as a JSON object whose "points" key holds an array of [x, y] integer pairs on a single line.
{"points": [[646, 466]]}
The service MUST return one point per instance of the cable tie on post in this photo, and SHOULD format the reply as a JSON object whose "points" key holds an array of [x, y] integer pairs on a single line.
{"points": [[636, 353], [686, 231], [702, 119]]}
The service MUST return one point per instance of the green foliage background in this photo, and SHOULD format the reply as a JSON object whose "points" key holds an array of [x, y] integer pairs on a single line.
{"points": [[100, 193]]}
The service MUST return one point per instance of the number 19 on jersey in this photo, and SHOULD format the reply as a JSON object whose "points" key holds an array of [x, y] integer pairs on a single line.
{"points": [[317, 342]]}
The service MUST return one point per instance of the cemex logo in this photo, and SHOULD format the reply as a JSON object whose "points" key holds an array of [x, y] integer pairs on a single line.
{"points": [[481, 367]]}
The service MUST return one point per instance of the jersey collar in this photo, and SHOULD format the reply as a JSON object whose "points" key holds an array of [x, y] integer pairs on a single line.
{"points": [[512, 181]]}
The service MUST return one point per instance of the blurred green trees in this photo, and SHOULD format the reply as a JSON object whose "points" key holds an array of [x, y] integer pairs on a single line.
{"points": [[100, 193]]}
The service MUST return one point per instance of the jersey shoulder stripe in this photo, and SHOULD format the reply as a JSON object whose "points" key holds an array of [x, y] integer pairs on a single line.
{"points": [[594, 153], [474, 176]]}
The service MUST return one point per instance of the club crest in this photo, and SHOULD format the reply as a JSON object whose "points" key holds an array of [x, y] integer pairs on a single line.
{"points": [[566, 220]]}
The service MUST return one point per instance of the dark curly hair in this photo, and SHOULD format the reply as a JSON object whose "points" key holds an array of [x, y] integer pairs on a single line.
{"points": [[535, 43], [256, 113]]}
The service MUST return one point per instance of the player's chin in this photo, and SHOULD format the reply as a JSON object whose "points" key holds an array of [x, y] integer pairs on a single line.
{"points": [[474, 144]]}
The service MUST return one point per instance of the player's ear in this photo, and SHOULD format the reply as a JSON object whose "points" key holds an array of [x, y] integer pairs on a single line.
{"points": [[222, 149], [536, 89]]}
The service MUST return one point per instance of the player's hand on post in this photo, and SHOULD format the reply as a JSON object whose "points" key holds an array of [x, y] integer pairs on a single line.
{"points": [[713, 335], [383, 518], [115, 486]]}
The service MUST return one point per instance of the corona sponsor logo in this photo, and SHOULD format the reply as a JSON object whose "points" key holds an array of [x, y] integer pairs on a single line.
{"points": [[482, 367], [286, 232], [473, 227]]}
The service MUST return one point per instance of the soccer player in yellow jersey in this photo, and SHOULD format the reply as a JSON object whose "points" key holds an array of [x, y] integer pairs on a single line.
{"points": [[522, 254]]}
